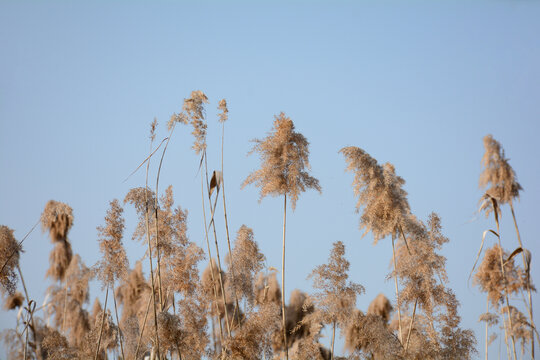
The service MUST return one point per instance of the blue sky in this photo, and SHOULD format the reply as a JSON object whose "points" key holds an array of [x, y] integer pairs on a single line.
{"points": [[417, 84]]}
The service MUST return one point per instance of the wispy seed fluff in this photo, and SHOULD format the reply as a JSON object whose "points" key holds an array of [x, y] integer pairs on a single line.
{"points": [[381, 306], [247, 261], [380, 193], [114, 263], [224, 114], [498, 176], [9, 260], [194, 108], [284, 158], [57, 219]]}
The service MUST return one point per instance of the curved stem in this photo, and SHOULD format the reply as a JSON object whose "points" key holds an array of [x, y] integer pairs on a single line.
{"points": [[529, 307], [33, 327]]}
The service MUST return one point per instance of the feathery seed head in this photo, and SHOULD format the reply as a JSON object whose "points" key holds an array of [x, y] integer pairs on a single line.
{"points": [[498, 176], [9, 260], [284, 158], [57, 218], [224, 114]]}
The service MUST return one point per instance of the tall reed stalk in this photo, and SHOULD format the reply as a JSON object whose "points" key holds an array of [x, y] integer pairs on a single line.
{"points": [[526, 266], [102, 322], [217, 248], [284, 322], [237, 306], [510, 330], [150, 257]]}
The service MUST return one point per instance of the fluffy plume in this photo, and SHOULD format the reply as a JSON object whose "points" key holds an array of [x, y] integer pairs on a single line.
{"points": [[114, 263], [194, 108], [253, 339], [368, 334], [170, 331], [9, 260], [380, 193], [57, 219], [423, 275], [78, 277], [130, 291], [59, 260], [14, 301], [335, 299], [247, 261], [490, 279], [192, 311], [224, 114], [381, 306], [55, 346], [109, 339], [267, 289], [498, 176], [284, 158]]}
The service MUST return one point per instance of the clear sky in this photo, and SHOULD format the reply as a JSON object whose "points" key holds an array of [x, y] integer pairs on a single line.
{"points": [[417, 84]]}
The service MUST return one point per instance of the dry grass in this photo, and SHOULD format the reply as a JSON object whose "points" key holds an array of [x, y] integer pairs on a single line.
{"points": [[193, 308]]}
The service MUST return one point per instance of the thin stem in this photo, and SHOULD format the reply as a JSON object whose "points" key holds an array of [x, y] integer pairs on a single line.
{"points": [[26, 336], [237, 309], [118, 323], [505, 282], [144, 325], [150, 258], [102, 322], [397, 291], [283, 279], [161, 301], [223, 296], [333, 338], [411, 325], [487, 326], [211, 262], [65, 307], [33, 327], [529, 307]]}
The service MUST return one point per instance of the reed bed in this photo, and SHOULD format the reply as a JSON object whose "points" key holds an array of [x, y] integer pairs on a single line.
{"points": [[235, 308]]}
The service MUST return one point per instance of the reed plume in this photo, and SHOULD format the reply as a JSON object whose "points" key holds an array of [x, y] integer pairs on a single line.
{"points": [[369, 336], [501, 182], [385, 206], [14, 301], [381, 306], [247, 260], [335, 299], [284, 156], [10, 251], [114, 262], [57, 219], [194, 107], [498, 177]]}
